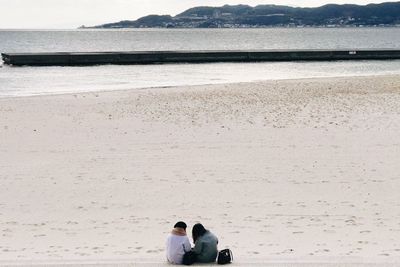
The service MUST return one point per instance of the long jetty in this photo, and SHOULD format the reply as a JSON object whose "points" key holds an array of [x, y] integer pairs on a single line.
{"points": [[163, 57]]}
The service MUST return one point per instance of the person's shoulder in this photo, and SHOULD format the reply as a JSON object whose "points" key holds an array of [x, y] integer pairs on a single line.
{"points": [[212, 235], [172, 236]]}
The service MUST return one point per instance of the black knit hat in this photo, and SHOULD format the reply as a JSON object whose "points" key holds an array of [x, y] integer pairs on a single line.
{"points": [[180, 225]]}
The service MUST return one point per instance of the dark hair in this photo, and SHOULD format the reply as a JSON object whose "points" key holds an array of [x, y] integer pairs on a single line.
{"points": [[197, 231], [180, 225]]}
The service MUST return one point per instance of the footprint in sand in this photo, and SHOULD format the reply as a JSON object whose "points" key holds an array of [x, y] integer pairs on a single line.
{"points": [[82, 254], [71, 234], [384, 254], [123, 252], [41, 235], [289, 250]]}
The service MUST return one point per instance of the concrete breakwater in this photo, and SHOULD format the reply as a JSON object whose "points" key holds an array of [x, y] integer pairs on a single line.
{"points": [[163, 57]]}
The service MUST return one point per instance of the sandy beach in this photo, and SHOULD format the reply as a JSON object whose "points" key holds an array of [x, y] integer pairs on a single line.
{"points": [[281, 171]]}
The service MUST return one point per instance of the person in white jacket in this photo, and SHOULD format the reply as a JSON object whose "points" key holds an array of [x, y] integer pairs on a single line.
{"points": [[177, 243]]}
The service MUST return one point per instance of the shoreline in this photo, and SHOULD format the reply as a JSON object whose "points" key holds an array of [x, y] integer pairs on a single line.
{"points": [[190, 87], [285, 170]]}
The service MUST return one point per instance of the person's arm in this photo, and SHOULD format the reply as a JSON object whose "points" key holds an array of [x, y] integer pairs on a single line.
{"points": [[186, 246], [167, 243], [198, 247]]}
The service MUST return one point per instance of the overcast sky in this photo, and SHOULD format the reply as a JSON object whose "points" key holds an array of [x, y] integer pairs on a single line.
{"points": [[65, 14]]}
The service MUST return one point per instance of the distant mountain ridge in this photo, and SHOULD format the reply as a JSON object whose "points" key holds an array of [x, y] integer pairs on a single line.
{"points": [[236, 16]]}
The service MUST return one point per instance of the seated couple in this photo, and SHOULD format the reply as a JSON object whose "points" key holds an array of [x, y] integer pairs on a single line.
{"points": [[205, 244]]}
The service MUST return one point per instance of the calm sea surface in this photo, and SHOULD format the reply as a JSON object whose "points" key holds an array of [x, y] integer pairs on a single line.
{"points": [[20, 81]]}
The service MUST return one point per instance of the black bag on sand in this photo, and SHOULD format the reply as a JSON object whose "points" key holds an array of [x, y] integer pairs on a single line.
{"points": [[225, 256], [189, 258]]}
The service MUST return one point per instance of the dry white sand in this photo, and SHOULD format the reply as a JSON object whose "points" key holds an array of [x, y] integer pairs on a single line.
{"points": [[281, 171]]}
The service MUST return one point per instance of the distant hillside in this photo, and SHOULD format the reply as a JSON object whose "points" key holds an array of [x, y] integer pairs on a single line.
{"points": [[385, 14]]}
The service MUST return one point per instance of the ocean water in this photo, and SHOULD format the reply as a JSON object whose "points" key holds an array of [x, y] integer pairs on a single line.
{"points": [[22, 81]]}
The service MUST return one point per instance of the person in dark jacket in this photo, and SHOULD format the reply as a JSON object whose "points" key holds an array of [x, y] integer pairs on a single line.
{"points": [[205, 244]]}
